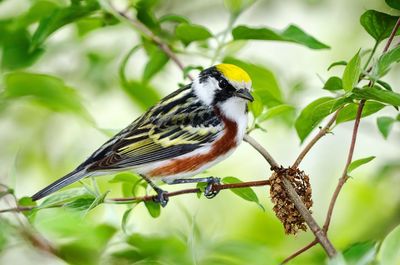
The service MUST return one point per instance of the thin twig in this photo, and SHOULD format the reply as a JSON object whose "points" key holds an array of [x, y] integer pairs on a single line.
{"points": [[392, 35], [300, 251], [344, 177], [322, 132], [18, 209]]}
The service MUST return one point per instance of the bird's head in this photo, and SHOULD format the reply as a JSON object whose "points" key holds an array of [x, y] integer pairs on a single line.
{"points": [[222, 82]]}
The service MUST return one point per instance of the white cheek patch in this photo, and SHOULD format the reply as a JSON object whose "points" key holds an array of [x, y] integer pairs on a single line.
{"points": [[205, 91], [235, 110]]}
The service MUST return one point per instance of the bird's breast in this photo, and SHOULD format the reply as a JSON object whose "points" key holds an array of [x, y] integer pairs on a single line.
{"points": [[195, 161]]}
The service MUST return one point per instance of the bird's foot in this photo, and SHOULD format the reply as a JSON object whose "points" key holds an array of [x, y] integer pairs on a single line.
{"points": [[162, 197], [209, 191]]}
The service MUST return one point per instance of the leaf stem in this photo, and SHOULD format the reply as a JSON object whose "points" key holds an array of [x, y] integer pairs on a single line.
{"points": [[371, 55], [221, 43], [121, 70]]}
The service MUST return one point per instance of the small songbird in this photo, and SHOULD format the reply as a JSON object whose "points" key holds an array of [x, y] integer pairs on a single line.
{"points": [[185, 133]]}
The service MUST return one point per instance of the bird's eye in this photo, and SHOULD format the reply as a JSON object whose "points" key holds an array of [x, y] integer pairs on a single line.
{"points": [[223, 84]]}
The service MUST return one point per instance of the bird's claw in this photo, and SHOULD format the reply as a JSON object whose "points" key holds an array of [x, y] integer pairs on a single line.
{"points": [[209, 192], [162, 197]]}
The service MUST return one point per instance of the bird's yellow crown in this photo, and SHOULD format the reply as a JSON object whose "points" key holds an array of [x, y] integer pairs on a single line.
{"points": [[233, 73]]}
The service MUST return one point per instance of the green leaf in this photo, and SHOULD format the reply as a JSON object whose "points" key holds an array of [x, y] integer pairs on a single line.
{"points": [[7, 233], [352, 73], [79, 241], [333, 83], [336, 64], [16, 52], [158, 59], [349, 112], [81, 204], [37, 11], [379, 25], [66, 196], [125, 218], [360, 253], [389, 253], [384, 85], [377, 94], [26, 201], [145, 14], [49, 91], [275, 111], [297, 35], [357, 163], [125, 177], [385, 61], [393, 4], [86, 25], [97, 201], [247, 193], [256, 107], [313, 114], [61, 17], [141, 93], [186, 71], [174, 18], [337, 260], [265, 85], [202, 187], [154, 249], [237, 6], [385, 124], [130, 183], [153, 208], [290, 34], [188, 33]]}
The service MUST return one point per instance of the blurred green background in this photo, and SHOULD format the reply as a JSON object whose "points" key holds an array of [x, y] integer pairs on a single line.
{"points": [[45, 134]]}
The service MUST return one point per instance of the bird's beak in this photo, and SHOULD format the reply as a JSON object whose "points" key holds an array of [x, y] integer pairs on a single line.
{"points": [[244, 93]]}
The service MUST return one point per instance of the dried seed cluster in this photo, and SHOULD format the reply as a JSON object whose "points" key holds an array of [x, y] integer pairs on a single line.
{"points": [[284, 208]]}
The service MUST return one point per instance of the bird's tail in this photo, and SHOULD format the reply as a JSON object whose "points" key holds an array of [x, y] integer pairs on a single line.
{"points": [[60, 183]]}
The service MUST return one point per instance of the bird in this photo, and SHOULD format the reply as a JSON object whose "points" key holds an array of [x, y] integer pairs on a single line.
{"points": [[185, 133]]}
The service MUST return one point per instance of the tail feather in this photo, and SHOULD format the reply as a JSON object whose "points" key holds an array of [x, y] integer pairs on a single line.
{"points": [[60, 183]]}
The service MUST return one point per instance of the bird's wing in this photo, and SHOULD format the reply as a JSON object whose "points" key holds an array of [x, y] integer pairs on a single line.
{"points": [[178, 125]]}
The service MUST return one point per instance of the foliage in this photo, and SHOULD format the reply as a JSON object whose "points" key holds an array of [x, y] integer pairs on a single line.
{"points": [[69, 219]]}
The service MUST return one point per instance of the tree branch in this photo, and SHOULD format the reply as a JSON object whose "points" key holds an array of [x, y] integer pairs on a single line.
{"points": [[305, 213], [314, 140], [392, 35], [344, 176], [216, 187], [271, 161]]}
